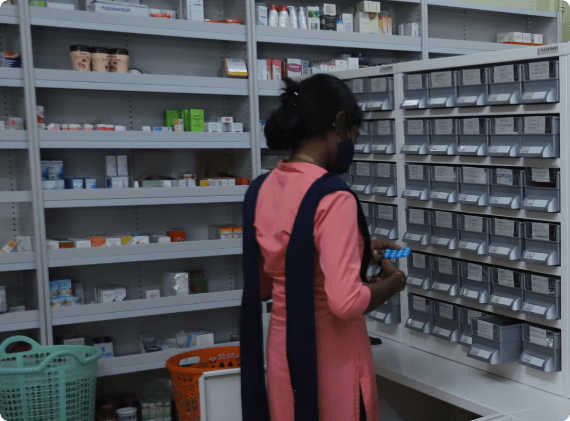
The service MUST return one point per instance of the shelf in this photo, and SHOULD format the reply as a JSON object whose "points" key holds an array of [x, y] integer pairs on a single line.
{"points": [[143, 253], [338, 39], [11, 77], [147, 307], [14, 261], [69, 79], [451, 46], [13, 139], [9, 14], [59, 139], [270, 87], [488, 111], [10, 322], [55, 199], [142, 362], [476, 7], [81, 20], [491, 161], [15, 196]]}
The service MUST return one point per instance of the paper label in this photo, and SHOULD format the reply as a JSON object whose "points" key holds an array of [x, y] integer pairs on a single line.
{"points": [[441, 331], [440, 286], [471, 77], [415, 127], [539, 71], [506, 278], [538, 362], [358, 86], [378, 84], [416, 216], [446, 311], [384, 127], [419, 260], [419, 304], [466, 245], [535, 125], [472, 314], [444, 219], [540, 337], [466, 339], [415, 281], [480, 352], [469, 293], [471, 126], [540, 231], [444, 126], [473, 223], [441, 80], [505, 125], [504, 227], [540, 284], [485, 329], [416, 172], [384, 170], [445, 265], [533, 308], [504, 74], [540, 175], [416, 324], [415, 82], [445, 174], [385, 212], [475, 272], [473, 175], [504, 176], [363, 169]]}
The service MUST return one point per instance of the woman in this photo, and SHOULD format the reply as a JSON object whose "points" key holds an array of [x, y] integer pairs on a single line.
{"points": [[306, 244]]}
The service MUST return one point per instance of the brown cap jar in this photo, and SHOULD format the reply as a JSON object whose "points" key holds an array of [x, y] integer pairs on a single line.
{"points": [[100, 59], [80, 58], [119, 60]]}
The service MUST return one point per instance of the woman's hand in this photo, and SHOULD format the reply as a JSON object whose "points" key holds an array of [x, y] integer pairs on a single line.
{"points": [[378, 249]]}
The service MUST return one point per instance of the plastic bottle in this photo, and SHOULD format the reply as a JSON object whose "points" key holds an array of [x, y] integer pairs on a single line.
{"points": [[273, 16], [293, 17], [302, 18], [284, 21]]}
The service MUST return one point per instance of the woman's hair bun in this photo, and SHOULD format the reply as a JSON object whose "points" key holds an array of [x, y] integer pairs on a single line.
{"points": [[283, 129]]}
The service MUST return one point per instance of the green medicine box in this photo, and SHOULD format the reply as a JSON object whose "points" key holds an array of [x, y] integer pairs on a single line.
{"points": [[38, 3], [193, 120], [198, 282], [170, 116]]}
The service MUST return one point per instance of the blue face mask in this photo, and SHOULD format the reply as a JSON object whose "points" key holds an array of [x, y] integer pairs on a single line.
{"points": [[345, 154]]}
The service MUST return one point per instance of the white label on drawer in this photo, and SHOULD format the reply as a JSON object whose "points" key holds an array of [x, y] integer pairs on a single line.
{"points": [[471, 77], [535, 125], [506, 278], [416, 216], [499, 251], [471, 126], [538, 362], [469, 293], [539, 71], [416, 324], [473, 223], [504, 227], [504, 301], [535, 95], [419, 260], [415, 82], [441, 287], [472, 314], [485, 329], [474, 272], [538, 336], [504, 74], [383, 170], [415, 172], [499, 98], [419, 304], [413, 237], [384, 128], [468, 149], [366, 209], [536, 309], [540, 175], [533, 255], [415, 281], [446, 174], [469, 198], [539, 284], [505, 125], [467, 99], [540, 231], [466, 339], [446, 311], [444, 126], [441, 331], [357, 86], [473, 175], [466, 245], [441, 80], [415, 127], [532, 150], [445, 265], [480, 352], [363, 169], [378, 84], [439, 195], [444, 219], [504, 176], [385, 212]]}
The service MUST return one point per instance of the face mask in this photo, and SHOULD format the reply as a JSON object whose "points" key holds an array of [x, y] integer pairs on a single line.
{"points": [[345, 153]]}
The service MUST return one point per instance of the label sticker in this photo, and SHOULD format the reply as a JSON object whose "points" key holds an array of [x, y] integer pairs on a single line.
{"points": [[484, 329], [439, 195], [544, 51], [469, 293], [445, 265], [540, 336], [466, 339], [471, 126], [539, 71], [471, 77], [446, 311], [386, 69], [383, 170], [419, 304], [445, 174], [416, 324], [504, 227], [540, 175], [441, 331], [363, 169], [384, 128], [415, 127], [506, 277], [536, 309], [505, 125], [466, 245], [540, 231], [441, 287], [535, 125], [358, 86], [419, 260], [473, 223], [441, 80], [472, 175], [504, 301], [480, 352], [385, 212], [541, 285], [444, 126], [416, 172], [444, 219], [474, 272], [538, 362], [416, 216], [504, 74], [378, 84], [504, 176], [415, 82]]}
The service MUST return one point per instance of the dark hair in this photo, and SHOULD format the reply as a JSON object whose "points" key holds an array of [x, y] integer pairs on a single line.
{"points": [[308, 109]]}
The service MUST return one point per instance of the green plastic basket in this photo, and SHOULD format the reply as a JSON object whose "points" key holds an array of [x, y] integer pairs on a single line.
{"points": [[48, 383]]}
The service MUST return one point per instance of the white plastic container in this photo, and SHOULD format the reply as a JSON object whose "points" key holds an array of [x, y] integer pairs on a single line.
{"points": [[284, 21], [302, 18], [293, 17], [273, 16], [127, 414]]}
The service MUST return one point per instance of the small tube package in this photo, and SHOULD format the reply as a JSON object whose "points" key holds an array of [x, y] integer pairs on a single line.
{"points": [[8, 247], [234, 67], [220, 232], [175, 284]]}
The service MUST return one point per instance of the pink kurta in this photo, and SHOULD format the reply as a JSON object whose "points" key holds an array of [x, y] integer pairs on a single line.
{"points": [[343, 347]]}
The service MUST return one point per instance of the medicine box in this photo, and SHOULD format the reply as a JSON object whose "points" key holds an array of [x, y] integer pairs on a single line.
{"points": [[495, 342], [196, 119], [510, 37], [420, 314], [107, 348], [276, 68], [293, 67], [348, 21], [162, 13], [191, 10], [368, 6], [214, 127], [111, 166], [200, 340], [154, 293], [52, 170], [537, 39], [314, 24], [24, 243], [175, 284], [74, 183], [261, 15], [541, 296], [120, 9]]}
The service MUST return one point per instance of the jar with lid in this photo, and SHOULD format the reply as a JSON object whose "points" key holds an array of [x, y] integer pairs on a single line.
{"points": [[119, 60], [80, 58], [273, 16], [284, 21], [100, 59]]}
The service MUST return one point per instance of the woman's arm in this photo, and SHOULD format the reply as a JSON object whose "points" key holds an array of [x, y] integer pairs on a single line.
{"points": [[385, 287]]}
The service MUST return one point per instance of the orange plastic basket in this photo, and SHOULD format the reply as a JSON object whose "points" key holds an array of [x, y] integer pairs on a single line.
{"points": [[185, 379]]}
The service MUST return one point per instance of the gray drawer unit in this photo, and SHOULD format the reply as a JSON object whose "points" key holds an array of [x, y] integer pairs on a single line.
{"points": [[473, 136], [505, 137], [541, 349], [474, 188], [541, 296], [467, 315], [506, 188], [472, 87], [444, 137], [384, 137], [541, 189], [541, 82], [446, 321], [416, 136], [362, 177], [381, 96], [445, 230], [505, 84], [506, 288], [384, 183], [475, 283], [386, 222], [473, 234], [505, 238], [361, 90], [444, 184], [364, 141], [445, 276], [420, 314], [541, 243], [418, 182], [415, 91], [442, 89], [368, 209], [541, 137], [495, 342], [389, 312], [418, 225], [420, 273]]}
